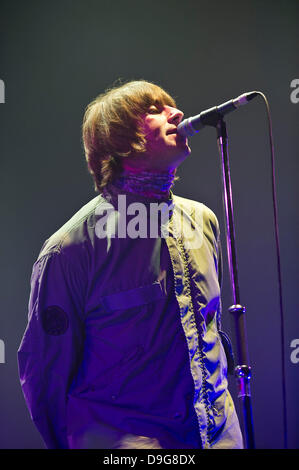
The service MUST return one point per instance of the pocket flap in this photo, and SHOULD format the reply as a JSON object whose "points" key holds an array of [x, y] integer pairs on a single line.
{"points": [[134, 297]]}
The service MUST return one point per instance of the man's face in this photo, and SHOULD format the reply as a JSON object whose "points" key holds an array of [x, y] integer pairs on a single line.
{"points": [[165, 148]]}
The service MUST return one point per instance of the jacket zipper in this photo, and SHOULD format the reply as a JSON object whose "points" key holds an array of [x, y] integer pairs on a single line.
{"points": [[201, 359]]}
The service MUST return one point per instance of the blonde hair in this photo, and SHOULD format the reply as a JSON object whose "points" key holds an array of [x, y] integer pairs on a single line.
{"points": [[112, 127]]}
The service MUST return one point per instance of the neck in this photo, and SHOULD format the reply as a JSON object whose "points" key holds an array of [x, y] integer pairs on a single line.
{"points": [[150, 184]]}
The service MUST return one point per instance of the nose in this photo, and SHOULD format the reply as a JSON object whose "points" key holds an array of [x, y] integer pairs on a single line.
{"points": [[175, 116]]}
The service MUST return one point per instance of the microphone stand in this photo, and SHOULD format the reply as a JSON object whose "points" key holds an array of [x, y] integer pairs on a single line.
{"points": [[242, 370]]}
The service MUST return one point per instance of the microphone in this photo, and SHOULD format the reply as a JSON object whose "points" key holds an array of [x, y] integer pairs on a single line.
{"points": [[190, 126]]}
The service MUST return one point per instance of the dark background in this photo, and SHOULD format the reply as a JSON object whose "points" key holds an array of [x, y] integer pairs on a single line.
{"points": [[55, 58]]}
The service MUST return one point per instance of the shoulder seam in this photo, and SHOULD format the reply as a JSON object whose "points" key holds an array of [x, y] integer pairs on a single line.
{"points": [[57, 247]]}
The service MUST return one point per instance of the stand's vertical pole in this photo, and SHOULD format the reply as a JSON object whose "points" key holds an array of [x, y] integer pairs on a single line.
{"points": [[242, 370]]}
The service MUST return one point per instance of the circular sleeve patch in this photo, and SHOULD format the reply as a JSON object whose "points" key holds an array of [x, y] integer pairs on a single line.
{"points": [[55, 321]]}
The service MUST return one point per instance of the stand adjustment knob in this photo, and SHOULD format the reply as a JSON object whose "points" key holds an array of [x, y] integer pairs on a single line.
{"points": [[237, 309]]}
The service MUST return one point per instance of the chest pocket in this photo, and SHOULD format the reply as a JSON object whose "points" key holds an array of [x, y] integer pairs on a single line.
{"points": [[117, 337], [133, 297]]}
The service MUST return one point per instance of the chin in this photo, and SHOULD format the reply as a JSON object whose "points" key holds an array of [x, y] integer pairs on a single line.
{"points": [[186, 151]]}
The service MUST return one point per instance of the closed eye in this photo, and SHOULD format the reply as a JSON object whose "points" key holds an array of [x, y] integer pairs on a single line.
{"points": [[153, 109]]}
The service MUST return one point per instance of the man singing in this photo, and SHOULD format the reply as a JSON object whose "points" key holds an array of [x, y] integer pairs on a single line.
{"points": [[123, 346]]}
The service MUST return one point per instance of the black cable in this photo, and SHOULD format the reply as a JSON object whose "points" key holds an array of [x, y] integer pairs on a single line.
{"points": [[285, 429]]}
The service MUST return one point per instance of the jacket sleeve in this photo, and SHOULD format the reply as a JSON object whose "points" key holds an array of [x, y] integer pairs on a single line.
{"points": [[51, 348]]}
